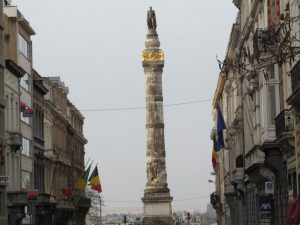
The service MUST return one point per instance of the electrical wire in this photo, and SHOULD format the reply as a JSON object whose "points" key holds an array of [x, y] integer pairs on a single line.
{"points": [[135, 108], [175, 200], [143, 107]]}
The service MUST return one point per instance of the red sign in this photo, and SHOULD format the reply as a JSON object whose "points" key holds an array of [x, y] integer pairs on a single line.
{"points": [[32, 194]]}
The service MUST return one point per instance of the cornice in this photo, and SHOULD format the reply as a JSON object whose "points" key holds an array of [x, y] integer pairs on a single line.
{"points": [[14, 68], [219, 90]]}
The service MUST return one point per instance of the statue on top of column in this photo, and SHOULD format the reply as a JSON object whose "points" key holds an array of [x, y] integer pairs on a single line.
{"points": [[151, 20]]}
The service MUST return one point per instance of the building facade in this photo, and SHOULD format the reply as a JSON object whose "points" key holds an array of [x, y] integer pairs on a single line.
{"points": [[45, 208], [257, 93], [19, 165], [64, 153], [13, 137], [43, 139], [3, 213]]}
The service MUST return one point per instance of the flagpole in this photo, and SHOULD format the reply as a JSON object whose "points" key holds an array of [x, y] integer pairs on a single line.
{"points": [[100, 201], [87, 162]]}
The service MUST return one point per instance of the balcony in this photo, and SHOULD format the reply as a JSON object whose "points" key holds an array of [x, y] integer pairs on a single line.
{"points": [[15, 141], [215, 200], [263, 40], [295, 75], [284, 127], [16, 198], [294, 99], [284, 122], [84, 202], [65, 204]]}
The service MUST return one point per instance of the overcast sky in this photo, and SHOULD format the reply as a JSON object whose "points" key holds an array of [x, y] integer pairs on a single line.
{"points": [[95, 47]]}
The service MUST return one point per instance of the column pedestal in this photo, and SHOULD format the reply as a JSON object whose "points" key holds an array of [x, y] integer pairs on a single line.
{"points": [[157, 207]]}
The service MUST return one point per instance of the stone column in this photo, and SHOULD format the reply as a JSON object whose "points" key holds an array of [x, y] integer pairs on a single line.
{"points": [[157, 199]]}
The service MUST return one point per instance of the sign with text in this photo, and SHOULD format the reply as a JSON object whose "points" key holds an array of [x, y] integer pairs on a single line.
{"points": [[265, 215], [266, 206], [269, 188], [4, 179], [266, 203]]}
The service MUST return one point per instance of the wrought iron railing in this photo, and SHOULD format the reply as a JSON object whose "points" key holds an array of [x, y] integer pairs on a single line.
{"points": [[295, 76], [15, 141], [84, 201], [215, 200], [263, 39], [284, 122]]}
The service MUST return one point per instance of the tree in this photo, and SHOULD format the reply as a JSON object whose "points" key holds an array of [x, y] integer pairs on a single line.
{"points": [[94, 216]]}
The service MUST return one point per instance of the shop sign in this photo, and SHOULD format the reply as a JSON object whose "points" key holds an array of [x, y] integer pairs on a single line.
{"points": [[269, 188]]}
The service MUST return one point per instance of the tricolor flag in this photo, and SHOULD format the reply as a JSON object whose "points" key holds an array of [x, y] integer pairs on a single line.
{"points": [[214, 159], [95, 180], [220, 127], [23, 107], [81, 183]]}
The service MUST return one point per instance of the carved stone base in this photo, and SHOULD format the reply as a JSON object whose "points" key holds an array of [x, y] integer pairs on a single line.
{"points": [[158, 221], [157, 208]]}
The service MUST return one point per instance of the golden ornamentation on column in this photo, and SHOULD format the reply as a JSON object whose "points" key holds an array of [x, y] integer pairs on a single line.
{"points": [[152, 56]]}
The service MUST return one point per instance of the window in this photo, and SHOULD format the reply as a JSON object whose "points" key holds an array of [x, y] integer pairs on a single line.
{"points": [[271, 105], [7, 112], [271, 73], [26, 146], [16, 115], [271, 95], [23, 46], [24, 119], [25, 82], [25, 179], [13, 111], [273, 7]]}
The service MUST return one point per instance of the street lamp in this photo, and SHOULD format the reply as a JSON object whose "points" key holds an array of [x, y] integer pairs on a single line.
{"points": [[125, 219], [211, 181]]}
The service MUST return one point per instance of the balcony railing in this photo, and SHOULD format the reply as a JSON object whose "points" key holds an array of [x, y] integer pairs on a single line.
{"points": [[215, 200], [15, 141], [295, 75], [84, 202], [284, 122], [263, 40]]}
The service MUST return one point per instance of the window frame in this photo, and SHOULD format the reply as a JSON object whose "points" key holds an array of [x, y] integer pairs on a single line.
{"points": [[23, 46], [25, 82], [25, 146], [28, 179], [268, 127], [24, 119]]}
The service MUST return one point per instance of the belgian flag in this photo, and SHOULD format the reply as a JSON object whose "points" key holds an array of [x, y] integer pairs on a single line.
{"points": [[95, 181]]}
